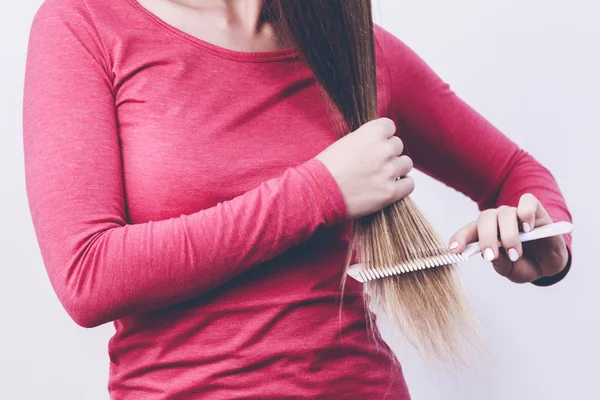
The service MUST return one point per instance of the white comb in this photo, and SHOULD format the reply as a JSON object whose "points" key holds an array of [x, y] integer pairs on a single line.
{"points": [[363, 274]]}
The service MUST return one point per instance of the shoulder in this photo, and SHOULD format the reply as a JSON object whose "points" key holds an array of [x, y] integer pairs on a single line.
{"points": [[399, 58], [388, 45], [61, 9], [97, 20], [65, 31], [76, 13], [58, 17], [380, 32]]}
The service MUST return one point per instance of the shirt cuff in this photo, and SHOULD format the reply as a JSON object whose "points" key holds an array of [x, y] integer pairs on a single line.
{"points": [[551, 280], [329, 195]]}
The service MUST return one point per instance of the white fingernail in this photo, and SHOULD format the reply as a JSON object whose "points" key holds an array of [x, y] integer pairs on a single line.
{"points": [[454, 246], [526, 227], [488, 254], [513, 255]]}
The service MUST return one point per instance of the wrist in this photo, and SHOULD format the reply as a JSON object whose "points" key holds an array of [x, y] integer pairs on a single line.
{"points": [[553, 279]]}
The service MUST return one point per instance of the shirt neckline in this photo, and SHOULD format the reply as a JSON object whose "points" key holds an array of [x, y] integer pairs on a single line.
{"points": [[263, 56]]}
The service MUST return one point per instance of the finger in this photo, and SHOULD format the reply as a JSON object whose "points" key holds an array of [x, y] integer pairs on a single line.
{"points": [[530, 209], [508, 226], [401, 166], [396, 146], [385, 126], [382, 127], [487, 231], [503, 265], [465, 235], [403, 187]]}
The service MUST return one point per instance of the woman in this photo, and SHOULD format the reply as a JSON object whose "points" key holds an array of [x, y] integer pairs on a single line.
{"points": [[186, 182]]}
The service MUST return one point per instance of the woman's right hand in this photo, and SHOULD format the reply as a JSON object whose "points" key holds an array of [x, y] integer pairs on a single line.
{"points": [[366, 164]]}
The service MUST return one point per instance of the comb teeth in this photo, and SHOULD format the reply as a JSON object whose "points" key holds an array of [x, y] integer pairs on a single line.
{"points": [[362, 274]]}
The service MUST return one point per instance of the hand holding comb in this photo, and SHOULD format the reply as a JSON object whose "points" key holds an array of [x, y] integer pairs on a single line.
{"points": [[439, 257]]}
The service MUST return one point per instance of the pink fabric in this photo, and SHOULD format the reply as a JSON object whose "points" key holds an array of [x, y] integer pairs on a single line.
{"points": [[173, 190]]}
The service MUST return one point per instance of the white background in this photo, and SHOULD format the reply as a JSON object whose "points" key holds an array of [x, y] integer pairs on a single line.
{"points": [[529, 66]]}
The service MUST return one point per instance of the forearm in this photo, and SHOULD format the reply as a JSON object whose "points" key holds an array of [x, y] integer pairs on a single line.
{"points": [[111, 270], [450, 141]]}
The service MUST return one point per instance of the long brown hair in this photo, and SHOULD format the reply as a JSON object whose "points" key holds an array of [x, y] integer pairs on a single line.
{"points": [[336, 38]]}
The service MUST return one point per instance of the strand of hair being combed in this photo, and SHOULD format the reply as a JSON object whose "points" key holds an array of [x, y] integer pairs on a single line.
{"points": [[428, 306]]}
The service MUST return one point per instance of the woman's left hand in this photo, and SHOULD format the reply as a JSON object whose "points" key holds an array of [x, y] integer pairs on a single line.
{"points": [[518, 262]]}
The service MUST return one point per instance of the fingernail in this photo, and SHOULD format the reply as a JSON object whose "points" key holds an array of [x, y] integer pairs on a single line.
{"points": [[454, 246], [488, 254], [526, 227], [513, 255]]}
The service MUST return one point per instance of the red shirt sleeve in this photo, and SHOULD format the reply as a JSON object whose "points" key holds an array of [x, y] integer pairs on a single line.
{"points": [[101, 267], [452, 143]]}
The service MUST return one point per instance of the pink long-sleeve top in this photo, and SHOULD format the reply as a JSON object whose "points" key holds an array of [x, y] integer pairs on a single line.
{"points": [[173, 190]]}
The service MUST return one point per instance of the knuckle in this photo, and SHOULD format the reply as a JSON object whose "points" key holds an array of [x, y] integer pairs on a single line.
{"points": [[396, 140], [390, 150], [387, 121], [370, 127], [398, 143], [507, 212], [387, 125], [525, 211], [525, 214], [407, 163], [528, 197], [486, 215]]}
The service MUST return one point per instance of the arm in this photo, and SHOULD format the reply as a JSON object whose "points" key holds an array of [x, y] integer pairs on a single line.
{"points": [[451, 142], [100, 267]]}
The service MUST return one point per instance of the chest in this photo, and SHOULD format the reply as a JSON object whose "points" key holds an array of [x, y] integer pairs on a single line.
{"points": [[196, 131]]}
